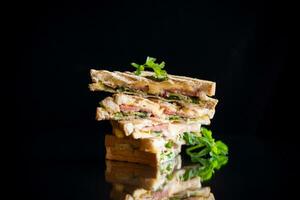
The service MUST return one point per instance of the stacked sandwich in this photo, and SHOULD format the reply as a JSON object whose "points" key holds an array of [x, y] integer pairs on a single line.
{"points": [[131, 181], [151, 112]]}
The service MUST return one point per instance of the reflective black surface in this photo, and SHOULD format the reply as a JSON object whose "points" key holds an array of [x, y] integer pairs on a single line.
{"points": [[69, 169]]}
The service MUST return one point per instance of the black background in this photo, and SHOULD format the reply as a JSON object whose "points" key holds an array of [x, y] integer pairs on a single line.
{"points": [[241, 45]]}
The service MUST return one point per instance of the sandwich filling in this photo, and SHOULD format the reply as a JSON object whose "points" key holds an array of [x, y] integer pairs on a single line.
{"points": [[126, 107], [148, 128]]}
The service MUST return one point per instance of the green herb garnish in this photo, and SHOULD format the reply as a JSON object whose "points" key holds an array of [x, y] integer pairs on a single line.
{"points": [[157, 133], [124, 89], [170, 176], [174, 198], [141, 114], [169, 168], [175, 117], [170, 155], [194, 99], [159, 73], [173, 96], [169, 144], [180, 97], [190, 138], [118, 116], [167, 155], [204, 150]]}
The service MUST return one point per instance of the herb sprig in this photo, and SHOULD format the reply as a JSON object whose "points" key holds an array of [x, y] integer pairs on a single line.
{"points": [[159, 73], [205, 150]]}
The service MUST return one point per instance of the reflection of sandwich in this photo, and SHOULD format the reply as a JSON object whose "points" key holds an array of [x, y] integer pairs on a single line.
{"points": [[138, 182], [147, 177]]}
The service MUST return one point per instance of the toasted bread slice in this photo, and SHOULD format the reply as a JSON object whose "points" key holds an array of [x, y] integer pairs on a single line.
{"points": [[144, 151], [174, 84], [152, 145], [136, 156]]}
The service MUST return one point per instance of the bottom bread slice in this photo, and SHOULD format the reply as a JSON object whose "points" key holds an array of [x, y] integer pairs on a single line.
{"points": [[132, 155], [149, 151], [140, 175]]}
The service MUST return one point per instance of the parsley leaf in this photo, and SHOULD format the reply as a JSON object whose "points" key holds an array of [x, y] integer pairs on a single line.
{"points": [[169, 144], [118, 116], [141, 114], [159, 73], [175, 117], [205, 150], [139, 68]]}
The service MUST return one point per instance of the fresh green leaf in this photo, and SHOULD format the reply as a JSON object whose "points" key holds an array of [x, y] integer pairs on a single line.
{"points": [[170, 154], [189, 173], [195, 99], [175, 96], [222, 147], [174, 198], [118, 116], [169, 168], [135, 65], [169, 144], [190, 138], [191, 151], [204, 150], [156, 132], [159, 73], [170, 176], [222, 160], [125, 89], [141, 114], [206, 133], [139, 68], [175, 117], [167, 155]]}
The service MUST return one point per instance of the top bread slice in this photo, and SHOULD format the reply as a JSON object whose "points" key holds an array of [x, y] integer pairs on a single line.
{"points": [[174, 84]]}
